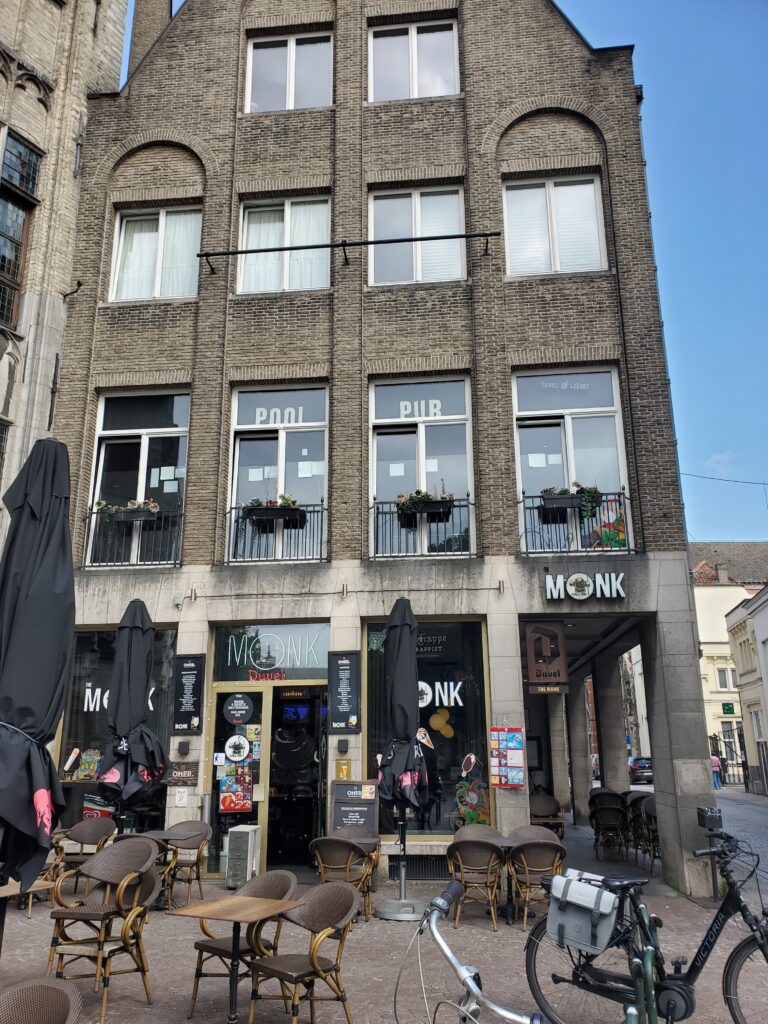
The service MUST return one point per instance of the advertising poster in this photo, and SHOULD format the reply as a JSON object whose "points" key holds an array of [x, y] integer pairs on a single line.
{"points": [[507, 757], [236, 792]]}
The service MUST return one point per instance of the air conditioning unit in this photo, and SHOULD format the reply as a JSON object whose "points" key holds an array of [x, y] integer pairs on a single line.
{"points": [[244, 854]]}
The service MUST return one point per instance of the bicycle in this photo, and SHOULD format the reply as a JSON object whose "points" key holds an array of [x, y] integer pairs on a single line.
{"points": [[571, 987], [473, 998]]}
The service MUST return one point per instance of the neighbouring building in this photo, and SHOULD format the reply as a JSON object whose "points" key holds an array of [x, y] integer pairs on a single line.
{"points": [[52, 54], [351, 252], [748, 634], [724, 573]]}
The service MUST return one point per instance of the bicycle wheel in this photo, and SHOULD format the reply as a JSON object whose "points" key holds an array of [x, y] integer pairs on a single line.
{"points": [[563, 1002], [745, 983]]}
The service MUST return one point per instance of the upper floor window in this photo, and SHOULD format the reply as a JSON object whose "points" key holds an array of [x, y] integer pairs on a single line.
{"points": [[726, 676], [554, 226], [289, 222], [570, 461], [421, 442], [156, 255], [141, 470], [287, 74], [19, 174], [413, 61], [279, 475], [21, 165], [415, 214]]}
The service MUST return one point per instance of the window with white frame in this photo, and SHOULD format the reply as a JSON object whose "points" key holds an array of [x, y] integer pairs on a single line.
{"points": [[290, 73], [570, 449], [554, 226], [417, 214], [722, 679], [289, 222], [421, 441], [156, 255], [757, 724], [413, 61]]}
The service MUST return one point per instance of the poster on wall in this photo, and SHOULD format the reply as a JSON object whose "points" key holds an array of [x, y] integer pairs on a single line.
{"points": [[343, 692], [188, 676], [236, 792], [507, 757]]}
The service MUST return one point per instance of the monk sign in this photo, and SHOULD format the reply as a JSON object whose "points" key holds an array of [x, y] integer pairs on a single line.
{"points": [[580, 586]]}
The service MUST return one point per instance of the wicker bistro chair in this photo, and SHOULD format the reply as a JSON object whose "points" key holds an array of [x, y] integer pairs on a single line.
{"points": [[547, 811], [132, 918], [650, 843], [274, 885], [341, 860], [610, 825], [327, 914], [485, 833], [362, 835], [42, 1001], [187, 835], [529, 862], [477, 865], [91, 832], [116, 873]]}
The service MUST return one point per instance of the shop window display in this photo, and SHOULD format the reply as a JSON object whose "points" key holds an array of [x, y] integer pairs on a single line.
{"points": [[452, 710]]}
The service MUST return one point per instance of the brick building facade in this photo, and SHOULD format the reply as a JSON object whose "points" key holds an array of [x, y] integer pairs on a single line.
{"points": [[408, 118]]}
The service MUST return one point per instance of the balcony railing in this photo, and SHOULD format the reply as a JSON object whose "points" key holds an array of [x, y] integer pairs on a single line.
{"points": [[567, 523], [444, 528], [133, 538], [274, 534]]}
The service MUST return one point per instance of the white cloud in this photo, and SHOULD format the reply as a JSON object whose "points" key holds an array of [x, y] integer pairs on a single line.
{"points": [[720, 463]]}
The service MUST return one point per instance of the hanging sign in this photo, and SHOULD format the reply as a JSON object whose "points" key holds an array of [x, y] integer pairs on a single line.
{"points": [[507, 757], [343, 692], [547, 657], [188, 676], [356, 803], [182, 773]]}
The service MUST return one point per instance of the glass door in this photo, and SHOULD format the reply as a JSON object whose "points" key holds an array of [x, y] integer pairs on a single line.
{"points": [[543, 468], [113, 540]]}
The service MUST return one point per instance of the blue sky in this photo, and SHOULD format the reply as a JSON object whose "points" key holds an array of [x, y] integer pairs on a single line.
{"points": [[702, 65]]}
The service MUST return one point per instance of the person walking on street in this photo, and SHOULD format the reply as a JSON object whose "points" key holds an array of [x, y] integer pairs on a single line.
{"points": [[716, 770]]}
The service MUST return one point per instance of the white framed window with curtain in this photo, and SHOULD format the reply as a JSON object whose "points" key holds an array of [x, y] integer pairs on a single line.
{"points": [[285, 223], [554, 226], [413, 61], [415, 214], [156, 255], [289, 73]]}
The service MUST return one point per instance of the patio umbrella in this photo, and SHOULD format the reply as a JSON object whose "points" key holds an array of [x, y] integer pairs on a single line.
{"points": [[403, 769], [136, 761], [37, 643]]}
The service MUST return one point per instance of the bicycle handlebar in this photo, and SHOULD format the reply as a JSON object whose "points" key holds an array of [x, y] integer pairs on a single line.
{"points": [[439, 907], [712, 851]]}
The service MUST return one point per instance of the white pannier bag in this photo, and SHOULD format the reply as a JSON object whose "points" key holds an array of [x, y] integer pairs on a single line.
{"points": [[582, 915]]}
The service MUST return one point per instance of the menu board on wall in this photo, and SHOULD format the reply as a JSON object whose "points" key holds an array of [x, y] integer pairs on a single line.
{"points": [[507, 757], [188, 676], [343, 692], [356, 803]]}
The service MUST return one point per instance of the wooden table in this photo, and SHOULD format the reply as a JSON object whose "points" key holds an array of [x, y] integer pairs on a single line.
{"points": [[238, 910]]}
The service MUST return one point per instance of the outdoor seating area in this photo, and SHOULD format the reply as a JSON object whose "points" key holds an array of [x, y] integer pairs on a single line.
{"points": [[621, 821]]}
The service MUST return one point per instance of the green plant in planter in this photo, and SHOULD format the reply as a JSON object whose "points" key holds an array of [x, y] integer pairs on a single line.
{"points": [[555, 490], [113, 511], [413, 502], [591, 499]]}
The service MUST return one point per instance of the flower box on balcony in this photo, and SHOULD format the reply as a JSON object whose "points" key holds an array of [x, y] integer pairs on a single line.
{"points": [[264, 517], [554, 507], [133, 515], [437, 510]]}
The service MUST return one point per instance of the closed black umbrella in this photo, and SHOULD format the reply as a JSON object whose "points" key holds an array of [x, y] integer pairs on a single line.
{"points": [[136, 761], [37, 643]]}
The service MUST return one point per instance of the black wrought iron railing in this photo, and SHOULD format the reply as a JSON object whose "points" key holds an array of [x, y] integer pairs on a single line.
{"points": [[276, 534], [133, 537], [575, 522], [442, 527]]}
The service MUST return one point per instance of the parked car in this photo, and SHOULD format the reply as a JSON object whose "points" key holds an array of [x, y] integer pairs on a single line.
{"points": [[640, 770]]}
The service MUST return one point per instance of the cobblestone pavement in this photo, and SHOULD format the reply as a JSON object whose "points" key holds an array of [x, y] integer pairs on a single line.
{"points": [[745, 815], [372, 959]]}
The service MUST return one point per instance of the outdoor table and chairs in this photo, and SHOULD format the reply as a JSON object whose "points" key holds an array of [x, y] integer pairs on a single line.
{"points": [[477, 865], [237, 910], [547, 811], [530, 860], [344, 860], [186, 835]]}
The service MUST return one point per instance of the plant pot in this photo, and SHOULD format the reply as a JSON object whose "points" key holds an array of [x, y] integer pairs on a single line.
{"points": [[595, 507], [263, 518], [561, 500], [407, 519], [439, 510], [133, 515]]}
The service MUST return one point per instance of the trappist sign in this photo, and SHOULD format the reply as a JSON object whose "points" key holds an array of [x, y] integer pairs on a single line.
{"points": [[580, 586], [547, 657]]}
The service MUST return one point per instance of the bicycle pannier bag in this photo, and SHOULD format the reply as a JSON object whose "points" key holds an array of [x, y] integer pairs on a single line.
{"points": [[581, 915]]}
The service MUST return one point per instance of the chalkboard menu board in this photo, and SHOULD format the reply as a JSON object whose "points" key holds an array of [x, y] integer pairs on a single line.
{"points": [[188, 676], [343, 692], [356, 803]]}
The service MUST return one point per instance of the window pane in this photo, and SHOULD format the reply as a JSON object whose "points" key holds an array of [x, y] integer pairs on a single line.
{"points": [[138, 259], [395, 464], [542, 461], [21, 165], [734, 678], [595, 453], [166, 471], [10, 258], [305, 465], [722, 679], [312, 80], [392, 218], [446, 459], [119, 472], [180, 249], [263, 272], [425, 399], [7, 303], [578, 238], [257, 469], [12, 220], [556, 391], [269, 70], [441, 215], [436, 60], [310, 222], [145, 412], [391, 65], [259, 408], [527, 230]]}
